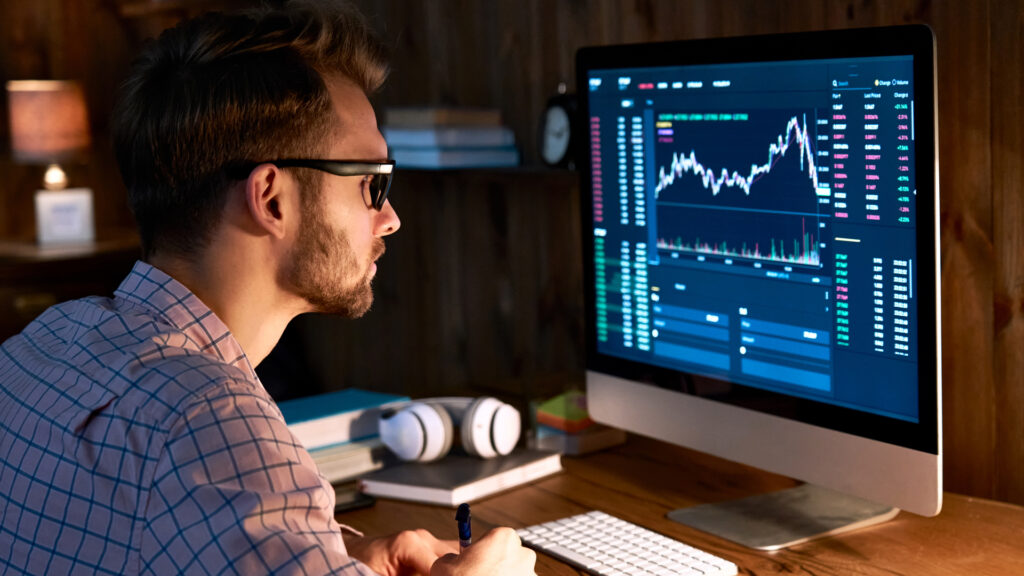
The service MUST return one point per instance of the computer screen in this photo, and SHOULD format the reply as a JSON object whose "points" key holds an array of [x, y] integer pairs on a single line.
{"points": [[761, 252]]}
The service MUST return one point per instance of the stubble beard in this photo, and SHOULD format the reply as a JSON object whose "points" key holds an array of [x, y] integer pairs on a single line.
{"points": [[325, 271]]}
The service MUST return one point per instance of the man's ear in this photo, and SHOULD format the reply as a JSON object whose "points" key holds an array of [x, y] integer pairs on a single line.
{"points": [[266, 191]]}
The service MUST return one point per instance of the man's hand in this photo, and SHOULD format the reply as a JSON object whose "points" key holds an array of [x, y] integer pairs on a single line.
{"points": [[498, 553], [404, 554]]}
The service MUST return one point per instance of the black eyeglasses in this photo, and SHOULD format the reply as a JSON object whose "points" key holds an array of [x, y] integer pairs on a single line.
{"points": [[379, 184]]}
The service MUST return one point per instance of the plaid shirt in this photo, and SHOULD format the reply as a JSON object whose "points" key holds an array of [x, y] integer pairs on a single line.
{"points": [[136, 438]]}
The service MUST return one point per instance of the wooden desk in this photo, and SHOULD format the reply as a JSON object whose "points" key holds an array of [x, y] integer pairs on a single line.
{"points": [[644, 479]]}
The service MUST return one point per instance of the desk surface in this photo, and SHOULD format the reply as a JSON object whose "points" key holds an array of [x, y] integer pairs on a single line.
{"points": [[644, 479]]}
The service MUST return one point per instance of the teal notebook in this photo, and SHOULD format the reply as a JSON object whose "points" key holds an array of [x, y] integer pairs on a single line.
{"points": [[336, 417]]}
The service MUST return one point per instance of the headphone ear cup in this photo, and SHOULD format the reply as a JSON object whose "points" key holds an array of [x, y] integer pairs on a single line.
{"points": [[402, 433], [445, 436], [419, 432], [505, 429], [489, 428]]}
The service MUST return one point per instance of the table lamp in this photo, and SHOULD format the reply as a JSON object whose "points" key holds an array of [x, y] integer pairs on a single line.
{"points": [[49, 125]]}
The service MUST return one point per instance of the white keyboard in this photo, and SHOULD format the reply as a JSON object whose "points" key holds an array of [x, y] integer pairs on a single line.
{"points": [[608, 546]]}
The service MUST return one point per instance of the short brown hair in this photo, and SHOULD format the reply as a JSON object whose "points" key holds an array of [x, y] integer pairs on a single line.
{"points": [[226, 89]]}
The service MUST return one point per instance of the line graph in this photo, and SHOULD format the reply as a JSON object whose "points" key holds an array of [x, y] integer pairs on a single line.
{"points": [[795, 133], [708, 204]]}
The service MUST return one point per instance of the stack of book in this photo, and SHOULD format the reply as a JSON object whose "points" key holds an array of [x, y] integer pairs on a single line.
{"points": [[564, 425], [339, 429], [436, 138]]}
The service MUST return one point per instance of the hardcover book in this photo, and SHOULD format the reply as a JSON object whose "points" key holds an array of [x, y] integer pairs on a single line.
{"points": [[336, 417], [459, 478], [344, 462], [449, 136], [433, 158], [591, 439], [435, 116]]}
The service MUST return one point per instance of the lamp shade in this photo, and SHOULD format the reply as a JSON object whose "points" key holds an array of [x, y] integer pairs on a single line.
{"points": [[48, 120]]}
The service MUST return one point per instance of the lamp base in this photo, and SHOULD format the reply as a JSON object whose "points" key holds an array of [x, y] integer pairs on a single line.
{"points": [[64, 216]]}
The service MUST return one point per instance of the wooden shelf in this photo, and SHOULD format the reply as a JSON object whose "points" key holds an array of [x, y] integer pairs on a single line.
{"points": [[34, 277], [116, 241]]}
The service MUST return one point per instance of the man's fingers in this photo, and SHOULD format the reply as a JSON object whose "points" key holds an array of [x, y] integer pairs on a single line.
{"points": [[506, 536], [498, 553], [419, 549], [444, 565], [442, 547]]}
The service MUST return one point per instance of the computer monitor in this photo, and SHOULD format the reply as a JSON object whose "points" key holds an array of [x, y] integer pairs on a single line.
{"points": [[760, 232]]}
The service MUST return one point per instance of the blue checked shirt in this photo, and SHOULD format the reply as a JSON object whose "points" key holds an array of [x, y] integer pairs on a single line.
{"points": [[135, 438]]}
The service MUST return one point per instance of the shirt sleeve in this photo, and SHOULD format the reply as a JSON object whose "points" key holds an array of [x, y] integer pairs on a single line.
{"points": [[235, 493]]}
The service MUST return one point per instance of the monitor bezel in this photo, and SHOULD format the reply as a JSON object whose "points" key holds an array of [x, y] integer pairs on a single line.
{"points": [[916, 41]]}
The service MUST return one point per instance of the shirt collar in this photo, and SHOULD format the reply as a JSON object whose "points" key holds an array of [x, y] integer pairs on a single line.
{"points": [[155, 291]]}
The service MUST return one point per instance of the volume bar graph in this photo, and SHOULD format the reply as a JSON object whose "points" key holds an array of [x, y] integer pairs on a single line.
{"points": [[803, 251]]}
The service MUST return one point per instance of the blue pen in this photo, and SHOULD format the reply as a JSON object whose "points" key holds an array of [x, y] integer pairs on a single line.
{"points": [[465, 531]]}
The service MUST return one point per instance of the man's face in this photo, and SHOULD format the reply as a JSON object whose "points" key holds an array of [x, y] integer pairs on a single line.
{"points": [[332, 262]]}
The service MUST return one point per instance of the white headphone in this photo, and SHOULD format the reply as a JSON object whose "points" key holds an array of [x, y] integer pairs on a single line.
{"points": [[423, 431]]}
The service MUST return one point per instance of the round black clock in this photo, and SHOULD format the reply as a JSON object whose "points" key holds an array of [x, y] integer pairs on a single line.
{"points": [[557, 130]]}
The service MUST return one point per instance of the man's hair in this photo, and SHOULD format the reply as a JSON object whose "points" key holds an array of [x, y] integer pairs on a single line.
{"points": [[223, 90]]}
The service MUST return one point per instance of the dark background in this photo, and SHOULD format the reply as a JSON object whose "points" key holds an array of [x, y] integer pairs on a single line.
{"points": [[480, 290]]}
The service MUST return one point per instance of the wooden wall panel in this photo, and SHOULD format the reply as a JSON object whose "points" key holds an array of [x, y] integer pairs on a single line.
{"points": [[962, 33], [1007, 113]]}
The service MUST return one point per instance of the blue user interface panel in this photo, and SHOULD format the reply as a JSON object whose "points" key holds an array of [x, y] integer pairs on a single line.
{"points": [[756, 223]]}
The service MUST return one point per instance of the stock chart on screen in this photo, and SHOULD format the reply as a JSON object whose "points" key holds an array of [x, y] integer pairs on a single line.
{"points": [[757, 224]]}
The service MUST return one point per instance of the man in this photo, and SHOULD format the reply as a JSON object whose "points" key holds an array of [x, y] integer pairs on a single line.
{"points": [[134, 435]]}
